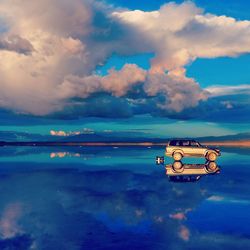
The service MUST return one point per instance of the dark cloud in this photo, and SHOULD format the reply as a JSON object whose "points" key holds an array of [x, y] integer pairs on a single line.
{"points": [[17, 44], [228, 108], [98, 105]]}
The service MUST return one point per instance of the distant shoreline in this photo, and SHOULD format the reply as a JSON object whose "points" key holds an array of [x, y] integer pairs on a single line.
{"points": [[242, 143]]}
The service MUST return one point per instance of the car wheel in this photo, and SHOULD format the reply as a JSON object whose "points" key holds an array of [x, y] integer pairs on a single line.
{"points": [[177, 156], [211, 167], [211, 156], [178, 167]]}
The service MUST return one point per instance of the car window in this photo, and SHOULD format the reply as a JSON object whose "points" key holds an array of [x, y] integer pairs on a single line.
{"points": [[185, 143], [172, 143], [194, 144]]}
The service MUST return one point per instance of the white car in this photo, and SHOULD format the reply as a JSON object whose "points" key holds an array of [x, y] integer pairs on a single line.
{"points": [[182, 148]]}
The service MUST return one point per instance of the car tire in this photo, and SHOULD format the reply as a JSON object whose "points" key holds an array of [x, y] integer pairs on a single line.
{"points": [[211, 156], [178, 167], [211, 167], [177, 156]]}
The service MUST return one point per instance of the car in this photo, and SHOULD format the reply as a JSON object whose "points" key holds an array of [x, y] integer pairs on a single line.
{"points": [[180, 148], [190, 172]]}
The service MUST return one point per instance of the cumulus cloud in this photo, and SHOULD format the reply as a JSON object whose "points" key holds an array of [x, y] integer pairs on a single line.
{"points": [[50, 50], [178, 92], [181, 33], [117, 83], [58, 133]]}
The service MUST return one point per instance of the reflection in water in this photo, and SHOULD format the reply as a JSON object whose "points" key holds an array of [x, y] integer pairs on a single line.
{"points": [[73, 209], [64, 154], [180, 172], [122, 203]]}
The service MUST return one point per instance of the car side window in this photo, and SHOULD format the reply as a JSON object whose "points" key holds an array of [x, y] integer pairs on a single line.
{"points": [[178, 143], [172, 143], [194, 144], [185, 143]]}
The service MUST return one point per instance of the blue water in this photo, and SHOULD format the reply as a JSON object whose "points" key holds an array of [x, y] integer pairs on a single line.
{"points": [[117, 198]]}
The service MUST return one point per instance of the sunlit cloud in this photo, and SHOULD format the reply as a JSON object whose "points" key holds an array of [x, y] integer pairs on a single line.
{"points": [[53, 56], [71, 133]]}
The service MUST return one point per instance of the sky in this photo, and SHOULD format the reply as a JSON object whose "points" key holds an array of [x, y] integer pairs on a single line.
{"points": [[166, 68]]}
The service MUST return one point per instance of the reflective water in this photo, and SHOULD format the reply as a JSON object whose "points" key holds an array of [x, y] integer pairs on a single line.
{"points": [[117, 198]]}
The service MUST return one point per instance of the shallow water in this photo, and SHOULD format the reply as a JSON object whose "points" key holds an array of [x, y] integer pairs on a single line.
{"points": [[117, 198]]}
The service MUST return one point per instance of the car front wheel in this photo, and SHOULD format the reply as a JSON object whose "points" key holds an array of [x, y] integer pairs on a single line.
{"points": [[177, 156], [211, 156]]}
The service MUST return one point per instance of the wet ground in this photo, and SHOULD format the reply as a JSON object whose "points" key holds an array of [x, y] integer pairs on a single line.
{"points": [[117, 198]]}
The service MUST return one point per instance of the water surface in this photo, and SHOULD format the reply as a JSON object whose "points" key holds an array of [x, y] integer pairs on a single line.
{"points": [[117, 198]]}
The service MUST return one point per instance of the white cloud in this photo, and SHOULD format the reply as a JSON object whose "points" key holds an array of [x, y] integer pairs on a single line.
{"points": [[50, 50], [71, 133], [228, 90], [181, 33], [116, 82]]}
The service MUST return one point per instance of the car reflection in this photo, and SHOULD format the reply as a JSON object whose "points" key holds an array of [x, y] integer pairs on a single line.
{"points": [[180, 172]]}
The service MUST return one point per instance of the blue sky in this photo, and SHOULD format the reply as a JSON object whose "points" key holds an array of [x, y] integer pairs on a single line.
{"points": [[181, 64], [221, 71], [238, 9]]}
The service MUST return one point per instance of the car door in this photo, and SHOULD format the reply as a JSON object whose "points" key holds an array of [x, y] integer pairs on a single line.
{"points": [[196, 148], [191, 148], [186, 147]]}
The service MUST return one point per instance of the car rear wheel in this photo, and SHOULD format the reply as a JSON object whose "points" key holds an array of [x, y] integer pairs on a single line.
{"points": [[177, 156], [211, 167], [211, 156]]}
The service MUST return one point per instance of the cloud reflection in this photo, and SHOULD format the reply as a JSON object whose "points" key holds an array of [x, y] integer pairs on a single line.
{"points": [[71, 205], [75, 205]]}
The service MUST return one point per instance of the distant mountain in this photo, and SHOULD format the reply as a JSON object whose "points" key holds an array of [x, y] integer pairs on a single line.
{"points": [[113, 136], [235, 137], [130, 137], [109, 137], [10, 136]]}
